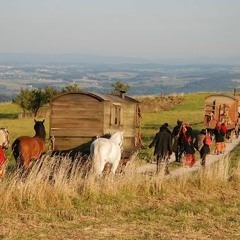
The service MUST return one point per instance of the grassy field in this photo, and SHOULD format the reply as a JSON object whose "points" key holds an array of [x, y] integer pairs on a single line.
{"points": [[191, 109], [203, 205], [16, 126]]}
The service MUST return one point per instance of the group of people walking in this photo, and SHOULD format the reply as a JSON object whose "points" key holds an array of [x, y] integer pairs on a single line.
{"points": [[184, 144]]}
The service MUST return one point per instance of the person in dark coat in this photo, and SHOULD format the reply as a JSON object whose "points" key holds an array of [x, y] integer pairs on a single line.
{"points": [[163, 147], [165, 125], [177, 141]]}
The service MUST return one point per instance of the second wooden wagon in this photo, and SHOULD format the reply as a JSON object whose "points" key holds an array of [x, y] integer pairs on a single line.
{"points": [[221, 108]]}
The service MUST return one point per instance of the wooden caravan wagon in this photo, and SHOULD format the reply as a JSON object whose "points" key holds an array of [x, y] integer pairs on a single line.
{"points": [[77, 117], [221, 108]]}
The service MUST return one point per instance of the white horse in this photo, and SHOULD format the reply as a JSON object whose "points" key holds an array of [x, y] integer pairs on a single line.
{"points": [[104, 150]]}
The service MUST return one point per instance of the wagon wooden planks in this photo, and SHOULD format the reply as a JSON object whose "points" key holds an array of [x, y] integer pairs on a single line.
{"points": [[77, 117], [221, 108]]}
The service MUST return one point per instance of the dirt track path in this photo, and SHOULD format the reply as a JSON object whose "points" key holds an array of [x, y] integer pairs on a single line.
{"points": [[211, 158]]}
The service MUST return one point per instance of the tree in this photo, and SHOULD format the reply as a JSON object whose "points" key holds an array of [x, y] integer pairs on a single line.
{"points": [[71, 88], [119, 87], [31, 100], [49, 93]]}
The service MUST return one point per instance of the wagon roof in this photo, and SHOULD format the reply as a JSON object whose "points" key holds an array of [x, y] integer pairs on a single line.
{"points": [[116, 98], [221, 95], [101, 97]]}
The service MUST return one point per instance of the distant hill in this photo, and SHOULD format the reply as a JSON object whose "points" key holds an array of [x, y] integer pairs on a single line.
{"points": [[23, 58], [97, 74]]}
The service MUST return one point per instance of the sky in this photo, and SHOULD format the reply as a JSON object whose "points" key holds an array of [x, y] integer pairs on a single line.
{"points": [[150, 29]]}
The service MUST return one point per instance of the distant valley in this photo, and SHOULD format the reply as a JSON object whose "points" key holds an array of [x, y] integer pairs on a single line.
{"points": [[143, 78]]}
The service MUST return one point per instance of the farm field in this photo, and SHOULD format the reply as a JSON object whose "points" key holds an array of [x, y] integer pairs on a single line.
{"points": [[203, 205]]}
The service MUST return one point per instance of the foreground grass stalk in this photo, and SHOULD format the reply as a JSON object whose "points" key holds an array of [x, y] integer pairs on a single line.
{"points": [[55, 182]]}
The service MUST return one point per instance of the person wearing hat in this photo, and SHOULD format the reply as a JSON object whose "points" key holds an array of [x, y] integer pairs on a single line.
{"points": [[162, 143], [177, 141], [166, 125]]}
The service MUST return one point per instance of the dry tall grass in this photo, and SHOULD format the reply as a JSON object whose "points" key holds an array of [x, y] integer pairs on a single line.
{"points": [[54, 182]]}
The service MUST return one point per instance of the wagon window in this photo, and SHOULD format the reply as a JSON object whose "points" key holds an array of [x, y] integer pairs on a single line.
{"points": [[116, 115]]}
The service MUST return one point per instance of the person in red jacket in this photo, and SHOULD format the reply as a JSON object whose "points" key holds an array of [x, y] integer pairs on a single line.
{"points": [[224, 128]]}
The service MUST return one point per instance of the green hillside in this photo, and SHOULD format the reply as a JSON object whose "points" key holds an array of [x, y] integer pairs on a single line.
{"points": [[190, 109], [56, 205], [9, 118]]}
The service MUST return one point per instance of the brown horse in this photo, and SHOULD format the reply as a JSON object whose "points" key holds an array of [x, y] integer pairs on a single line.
{"points": [[26, 149]]}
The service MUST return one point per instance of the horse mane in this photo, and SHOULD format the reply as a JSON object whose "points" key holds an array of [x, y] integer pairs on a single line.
{"points": [[40, 129], [117, 137]]}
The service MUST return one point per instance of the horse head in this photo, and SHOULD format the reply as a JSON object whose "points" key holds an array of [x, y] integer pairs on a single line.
{"points": [[40, 129], [117, 137], [4, 138]]}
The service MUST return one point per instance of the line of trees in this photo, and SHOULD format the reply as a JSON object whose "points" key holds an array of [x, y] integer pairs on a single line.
{"points": [[31, 100]]}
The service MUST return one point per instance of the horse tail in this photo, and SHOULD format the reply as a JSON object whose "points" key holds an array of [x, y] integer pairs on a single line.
{"points": [[95, 152], [96, 161], [16, 150]]}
